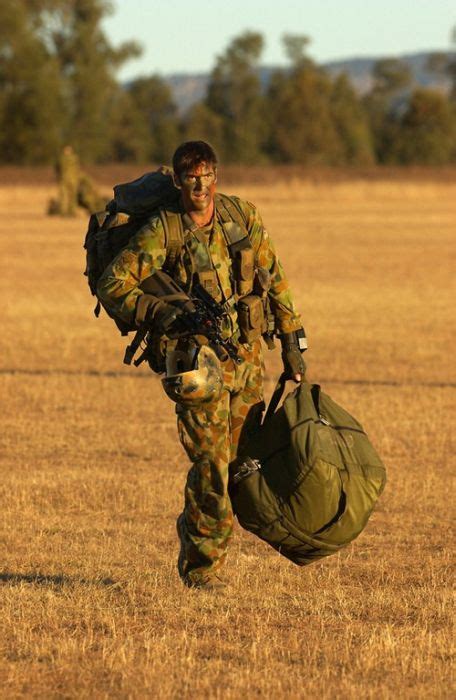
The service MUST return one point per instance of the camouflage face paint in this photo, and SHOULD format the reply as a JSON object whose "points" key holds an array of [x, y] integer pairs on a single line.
{"points": [[198, 188]]}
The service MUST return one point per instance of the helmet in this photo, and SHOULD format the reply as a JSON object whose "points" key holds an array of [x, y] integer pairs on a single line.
{"points": [[193, 375]]}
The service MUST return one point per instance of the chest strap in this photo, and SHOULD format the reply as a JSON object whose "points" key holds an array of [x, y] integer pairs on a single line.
{"points": [[179, 227], [234, 224]]}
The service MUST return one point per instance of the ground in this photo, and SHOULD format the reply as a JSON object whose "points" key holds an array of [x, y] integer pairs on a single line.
{"points": [[92, 473]]}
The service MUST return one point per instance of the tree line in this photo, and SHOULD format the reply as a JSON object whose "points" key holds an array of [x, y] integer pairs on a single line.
{"points": [[58, 86]]}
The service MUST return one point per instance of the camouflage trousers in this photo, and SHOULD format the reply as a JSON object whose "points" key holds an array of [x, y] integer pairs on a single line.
{"points": [[213, 435]]}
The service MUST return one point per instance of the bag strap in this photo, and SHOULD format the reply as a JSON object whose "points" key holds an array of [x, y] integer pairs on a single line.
{"points": [[275, 398]]}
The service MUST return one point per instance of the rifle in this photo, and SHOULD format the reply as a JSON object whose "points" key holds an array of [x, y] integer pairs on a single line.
{"points": [[197, 314]]}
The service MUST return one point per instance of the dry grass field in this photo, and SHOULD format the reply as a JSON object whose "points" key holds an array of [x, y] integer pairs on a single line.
{"points": [[92, 474]]}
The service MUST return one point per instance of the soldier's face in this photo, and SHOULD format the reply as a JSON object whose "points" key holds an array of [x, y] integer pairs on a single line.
{"points": [[198, 187]]}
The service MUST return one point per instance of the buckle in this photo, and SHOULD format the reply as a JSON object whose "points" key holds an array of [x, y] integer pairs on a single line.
{"points": [[229, 303], [245, 469]]}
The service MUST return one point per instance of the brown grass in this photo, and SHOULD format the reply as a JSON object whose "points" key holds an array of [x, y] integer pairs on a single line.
{"points": [[92, 473]]}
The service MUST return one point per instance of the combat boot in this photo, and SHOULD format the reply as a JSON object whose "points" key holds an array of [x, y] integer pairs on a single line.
{"points": [[203, 583]]}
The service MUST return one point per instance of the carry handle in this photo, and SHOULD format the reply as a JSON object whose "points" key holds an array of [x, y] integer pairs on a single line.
{"points": [[278, 394]]}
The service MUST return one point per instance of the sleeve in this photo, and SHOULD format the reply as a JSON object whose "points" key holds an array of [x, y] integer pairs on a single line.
{"points": [[286, 316], [118, 286]]}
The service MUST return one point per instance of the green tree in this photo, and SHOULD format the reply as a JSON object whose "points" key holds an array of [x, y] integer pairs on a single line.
{"points": [[88, 65], [57, 78], [299, 108], [128, 132], [390, 75], [391, 82], [234, 96], [443, 63], [30, 98], [451, 70], [427, 130], [152, 101], [201, 123], [351, 123], [295, 46]]}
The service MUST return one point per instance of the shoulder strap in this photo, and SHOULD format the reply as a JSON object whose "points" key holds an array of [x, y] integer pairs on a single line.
{"points": [[174, 237], [234, 223], [234, 227], [230, 210], [231, 213]]}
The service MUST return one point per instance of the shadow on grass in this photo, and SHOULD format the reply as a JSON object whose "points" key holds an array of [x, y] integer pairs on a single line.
{"points": [[140, 375], [58, 580], [73, 373]]}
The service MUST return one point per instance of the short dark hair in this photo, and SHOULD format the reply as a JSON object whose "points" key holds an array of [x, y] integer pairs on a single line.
{"points": [[192, 153]]}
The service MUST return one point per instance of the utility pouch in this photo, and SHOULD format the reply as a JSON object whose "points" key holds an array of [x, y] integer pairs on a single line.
{"points": [[208, 280], [251, 318], [261, 282], [261, 287], [243, 263]]}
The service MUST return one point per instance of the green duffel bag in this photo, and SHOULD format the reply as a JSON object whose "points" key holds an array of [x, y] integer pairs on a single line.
{"points": [[311, 478]]}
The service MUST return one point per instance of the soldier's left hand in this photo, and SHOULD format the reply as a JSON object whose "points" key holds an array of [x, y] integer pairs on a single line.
{"points": [[157, 312], [293, 361]]}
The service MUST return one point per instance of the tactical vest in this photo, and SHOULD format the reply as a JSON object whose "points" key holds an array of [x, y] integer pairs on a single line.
{"points": [[110, 231], [179, 228]]}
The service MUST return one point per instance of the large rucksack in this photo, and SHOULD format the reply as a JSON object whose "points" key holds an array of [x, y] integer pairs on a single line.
{"points": [[134, 203], [312, 477]]}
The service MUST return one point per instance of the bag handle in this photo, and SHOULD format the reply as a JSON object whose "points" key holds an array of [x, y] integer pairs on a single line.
{"points": [[278, 394]]}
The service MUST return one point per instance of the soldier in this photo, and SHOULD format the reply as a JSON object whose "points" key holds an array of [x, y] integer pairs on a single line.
{"points": [[224, 402], [68, 175], [76, 188], [88, 196]]}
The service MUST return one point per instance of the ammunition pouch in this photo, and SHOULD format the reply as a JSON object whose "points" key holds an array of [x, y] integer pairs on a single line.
{"points": [[208, 280], [244, 271], [254, 313], [251, 318]]}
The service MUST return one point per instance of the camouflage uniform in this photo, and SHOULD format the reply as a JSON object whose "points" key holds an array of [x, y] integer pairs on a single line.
{"points": [[68, 174], [212, 434], [88, 196], [75, 187]]}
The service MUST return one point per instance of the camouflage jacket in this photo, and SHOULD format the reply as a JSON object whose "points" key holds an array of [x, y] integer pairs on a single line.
{"points": [[118, 287]]}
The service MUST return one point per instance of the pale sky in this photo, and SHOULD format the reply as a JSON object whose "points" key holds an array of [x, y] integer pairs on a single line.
{"points": [[185, 36]]}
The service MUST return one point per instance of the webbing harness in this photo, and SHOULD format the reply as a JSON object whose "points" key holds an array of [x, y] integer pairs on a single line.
{"points": [[178, 228]]}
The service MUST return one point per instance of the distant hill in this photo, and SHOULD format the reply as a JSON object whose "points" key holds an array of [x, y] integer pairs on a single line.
{"points": [[190, 88]]}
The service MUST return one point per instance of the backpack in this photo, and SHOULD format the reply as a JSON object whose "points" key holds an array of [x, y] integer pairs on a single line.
{"points": [[134, 203], [312, 477]]}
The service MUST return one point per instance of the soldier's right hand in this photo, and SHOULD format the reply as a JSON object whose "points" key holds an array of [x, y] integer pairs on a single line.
{"points": [[158, 313]]}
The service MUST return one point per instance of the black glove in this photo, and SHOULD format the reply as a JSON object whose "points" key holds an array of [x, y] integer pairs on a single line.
{"points": [[293, 345], [158, 313]]}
